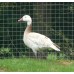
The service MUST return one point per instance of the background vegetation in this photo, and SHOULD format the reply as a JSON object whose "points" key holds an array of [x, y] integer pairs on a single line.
{"points": [[55, 20]]}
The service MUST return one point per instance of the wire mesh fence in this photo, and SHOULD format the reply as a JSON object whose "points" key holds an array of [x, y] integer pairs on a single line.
{"points": [[55, 20]]}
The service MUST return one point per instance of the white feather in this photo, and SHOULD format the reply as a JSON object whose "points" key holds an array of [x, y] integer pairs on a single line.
{"points": [[38, 41]]}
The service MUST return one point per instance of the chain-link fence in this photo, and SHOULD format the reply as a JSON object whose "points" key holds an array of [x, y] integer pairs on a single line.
{"points": [[55, 20]]}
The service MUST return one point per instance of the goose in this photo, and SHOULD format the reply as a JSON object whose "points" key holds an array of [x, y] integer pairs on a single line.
{"points": [[36, 41]]}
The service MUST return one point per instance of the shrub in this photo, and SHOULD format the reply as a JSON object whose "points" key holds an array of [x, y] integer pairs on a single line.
{"points": [[4, 52]]}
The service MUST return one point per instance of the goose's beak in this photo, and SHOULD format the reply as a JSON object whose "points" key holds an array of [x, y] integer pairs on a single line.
{"points": [[21, 19]]}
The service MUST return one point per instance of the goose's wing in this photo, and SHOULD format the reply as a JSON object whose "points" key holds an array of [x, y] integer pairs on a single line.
{"points": [[42, 41]]}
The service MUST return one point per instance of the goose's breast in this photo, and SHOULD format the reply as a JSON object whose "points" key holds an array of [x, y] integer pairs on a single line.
{"points": [[29, 42]]}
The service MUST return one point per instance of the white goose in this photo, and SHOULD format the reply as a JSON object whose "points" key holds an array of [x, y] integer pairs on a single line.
{"points": [[36, 41]]}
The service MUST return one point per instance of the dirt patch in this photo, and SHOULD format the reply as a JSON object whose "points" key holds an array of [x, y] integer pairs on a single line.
{"points": [[2, 70], [66, 62]]}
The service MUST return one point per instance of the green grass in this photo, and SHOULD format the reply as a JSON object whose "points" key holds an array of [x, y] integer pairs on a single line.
{"points": [[36, 65]]}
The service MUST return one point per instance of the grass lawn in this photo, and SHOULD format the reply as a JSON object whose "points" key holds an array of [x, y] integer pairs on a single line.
{"points": [[36, 65]]}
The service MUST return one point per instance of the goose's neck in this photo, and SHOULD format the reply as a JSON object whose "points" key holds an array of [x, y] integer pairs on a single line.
{"points": [[28, 29]]}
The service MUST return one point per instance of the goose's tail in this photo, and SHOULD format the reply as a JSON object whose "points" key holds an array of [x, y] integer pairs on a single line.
{"points": [[55, 47]]}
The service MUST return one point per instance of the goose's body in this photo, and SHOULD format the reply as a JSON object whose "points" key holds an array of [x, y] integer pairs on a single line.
{"points": [[36, 41]]}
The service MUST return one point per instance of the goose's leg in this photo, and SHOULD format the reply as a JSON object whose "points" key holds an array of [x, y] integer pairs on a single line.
{"points": [[45, 54], [42, 54], [35, 52]]}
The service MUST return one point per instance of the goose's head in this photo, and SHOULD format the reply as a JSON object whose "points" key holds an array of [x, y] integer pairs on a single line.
{"points": [[26, 18]]}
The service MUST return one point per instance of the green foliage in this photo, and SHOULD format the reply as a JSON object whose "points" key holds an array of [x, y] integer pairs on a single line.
{"points": [[4, 52]]}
